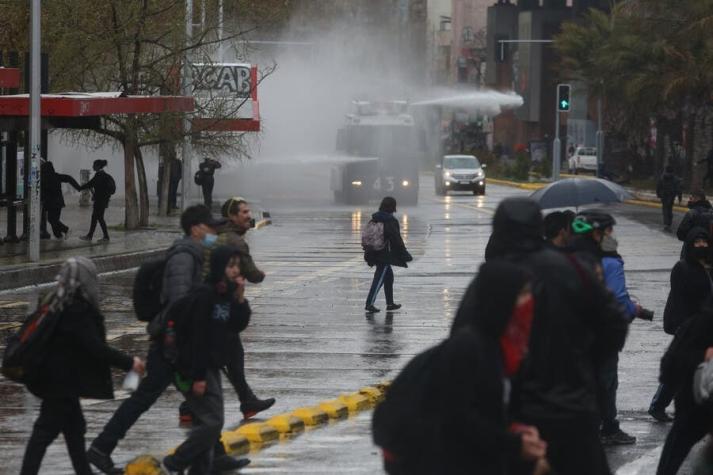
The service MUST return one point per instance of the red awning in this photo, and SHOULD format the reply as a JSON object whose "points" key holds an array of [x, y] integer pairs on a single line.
{"points": [[94, 104], [9, 78]]}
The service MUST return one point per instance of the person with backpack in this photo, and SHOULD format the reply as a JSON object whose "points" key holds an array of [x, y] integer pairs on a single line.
{"points": [[204, 321], [102, 186], [204, 178], [52, 200], [691, 287], [667, 189], [446, 411], [699, 215], [181, 271], [692, 344], [576, 319], [383, 248], [77, 363]]}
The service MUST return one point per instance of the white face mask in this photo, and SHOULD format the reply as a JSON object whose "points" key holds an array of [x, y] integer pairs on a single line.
{"points": [[609, 243]]}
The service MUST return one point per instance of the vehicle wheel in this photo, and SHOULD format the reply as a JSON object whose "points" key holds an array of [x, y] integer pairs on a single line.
{"points": [[482, 192], [476, 192]]}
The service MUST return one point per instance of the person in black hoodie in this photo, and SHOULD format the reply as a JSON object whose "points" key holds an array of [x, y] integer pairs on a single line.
{"points": [[102, 186], [77, 364], [52, 200], [576, 319], [446, 412], [394, 254], [699, 215], [692, 345], [691, 287], [206, 318], [667, 189]]}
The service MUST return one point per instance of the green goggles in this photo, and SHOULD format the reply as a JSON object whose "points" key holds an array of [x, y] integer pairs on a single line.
{"points": [[580, 226]]}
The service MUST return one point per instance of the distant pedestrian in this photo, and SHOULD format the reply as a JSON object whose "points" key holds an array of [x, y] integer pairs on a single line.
{"points": [[183, 271], [598, 227], [102, 186], [206, 170], [393, 253], [692, 345], [175, 177], [447, 410], [709, 167], [667, 189], [52, 199], [77, 364], [556, 386], [205, 320], [699, 215], [691, 287]]}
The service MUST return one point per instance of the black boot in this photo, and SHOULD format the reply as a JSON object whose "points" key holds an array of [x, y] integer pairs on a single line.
{"points": [[253, 406]]}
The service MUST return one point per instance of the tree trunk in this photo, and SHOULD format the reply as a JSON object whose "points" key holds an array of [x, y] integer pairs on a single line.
{"points": [[701, 140], [131, 219], [143, 188]]}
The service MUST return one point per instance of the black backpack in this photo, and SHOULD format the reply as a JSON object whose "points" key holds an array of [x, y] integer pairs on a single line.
{"points": [[26, 350], [198, 178], [111, 184], [146, 294]]}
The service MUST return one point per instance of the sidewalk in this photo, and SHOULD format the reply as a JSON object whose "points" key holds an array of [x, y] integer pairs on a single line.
{"points": [[126, 249]]}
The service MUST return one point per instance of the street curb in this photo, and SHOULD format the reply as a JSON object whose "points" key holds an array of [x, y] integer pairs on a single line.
{"points": [[537, 186], [254, 436], [37, 274]]}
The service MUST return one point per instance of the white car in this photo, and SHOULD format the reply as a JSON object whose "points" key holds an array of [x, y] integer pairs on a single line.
{"points": [[584, 158], [460, 172]]}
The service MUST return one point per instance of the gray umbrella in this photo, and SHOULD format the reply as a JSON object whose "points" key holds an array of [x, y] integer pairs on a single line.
{"points": [[575, 192]]}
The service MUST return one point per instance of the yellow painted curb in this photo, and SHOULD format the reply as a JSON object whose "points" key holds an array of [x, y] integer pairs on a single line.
{"points": [[524, 186], [262, 223], [374, 394], [311, 416], [384, 385], [355, 401], [286, 423], [334, 409], [143, 465], [235, 443], [258, 432], [654, 204]]}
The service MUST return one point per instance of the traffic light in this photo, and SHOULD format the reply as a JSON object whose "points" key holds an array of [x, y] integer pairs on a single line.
{"points": [[564, 103]]}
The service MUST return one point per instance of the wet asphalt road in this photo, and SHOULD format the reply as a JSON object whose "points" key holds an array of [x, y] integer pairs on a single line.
{"points": [[310, 340]]}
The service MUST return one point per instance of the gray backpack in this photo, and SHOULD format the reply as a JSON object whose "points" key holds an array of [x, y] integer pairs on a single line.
{"points": [[372, 236]]}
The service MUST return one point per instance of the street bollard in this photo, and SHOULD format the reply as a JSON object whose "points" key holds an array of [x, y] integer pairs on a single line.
{"points": [[84, 197]]}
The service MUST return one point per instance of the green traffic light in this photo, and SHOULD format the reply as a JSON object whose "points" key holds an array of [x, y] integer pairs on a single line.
{"points": [[564, 105]]}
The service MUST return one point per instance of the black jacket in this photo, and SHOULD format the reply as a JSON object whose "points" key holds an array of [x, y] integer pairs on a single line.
{"points": [[699, 215], [51, 186], [669, 187], [101, 185], [577, 320], [207, 169], [690, 286], [395, 253], [78, 357], [446, 411]]}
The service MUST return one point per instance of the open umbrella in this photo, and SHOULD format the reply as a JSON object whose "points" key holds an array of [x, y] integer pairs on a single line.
{"points": [[575, 192]]}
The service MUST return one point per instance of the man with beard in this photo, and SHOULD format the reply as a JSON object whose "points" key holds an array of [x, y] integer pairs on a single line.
{"points": [[576, 320]]}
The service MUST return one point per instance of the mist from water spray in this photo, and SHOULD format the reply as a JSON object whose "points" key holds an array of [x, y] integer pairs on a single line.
{"points": [[484, 101]]}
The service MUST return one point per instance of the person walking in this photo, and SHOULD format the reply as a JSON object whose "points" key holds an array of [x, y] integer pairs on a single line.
{"points": [[176, 175], [183, 272], [204, 320], [598, 227], [77, 364], [102, 186], [446, 412], [394, 253], [699, 214], [206, 170], [667, 189], [691, 287], [692, 345], [52, 200], [576, 318]]}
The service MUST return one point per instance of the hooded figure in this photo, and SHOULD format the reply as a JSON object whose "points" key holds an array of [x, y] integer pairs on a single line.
{"points": [[700, 214], [690, 282], [446, 411], [77, 364], [576, 319]]}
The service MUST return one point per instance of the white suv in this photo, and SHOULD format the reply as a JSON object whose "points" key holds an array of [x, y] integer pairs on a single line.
{"points": [[584, 158]]}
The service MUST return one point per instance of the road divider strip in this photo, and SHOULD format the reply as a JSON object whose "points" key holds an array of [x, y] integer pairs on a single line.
{"points": [[254, 436]]}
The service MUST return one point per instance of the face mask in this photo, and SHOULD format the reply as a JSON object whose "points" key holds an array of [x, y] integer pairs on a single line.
{"points": [[700, 252], [513, 343], [609, 243], [209, 240]]}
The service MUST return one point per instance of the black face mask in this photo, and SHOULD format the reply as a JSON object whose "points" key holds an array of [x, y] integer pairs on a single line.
{"points": [[700, 252]]}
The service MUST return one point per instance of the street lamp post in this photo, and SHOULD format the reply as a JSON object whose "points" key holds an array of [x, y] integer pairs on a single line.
{"points": [[33, 248], [187, 150]]}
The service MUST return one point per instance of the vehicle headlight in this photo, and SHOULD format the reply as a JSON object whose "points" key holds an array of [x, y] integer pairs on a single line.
{"points": [[405, 183], [357, 183], [446, 174], [479, 174]]}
